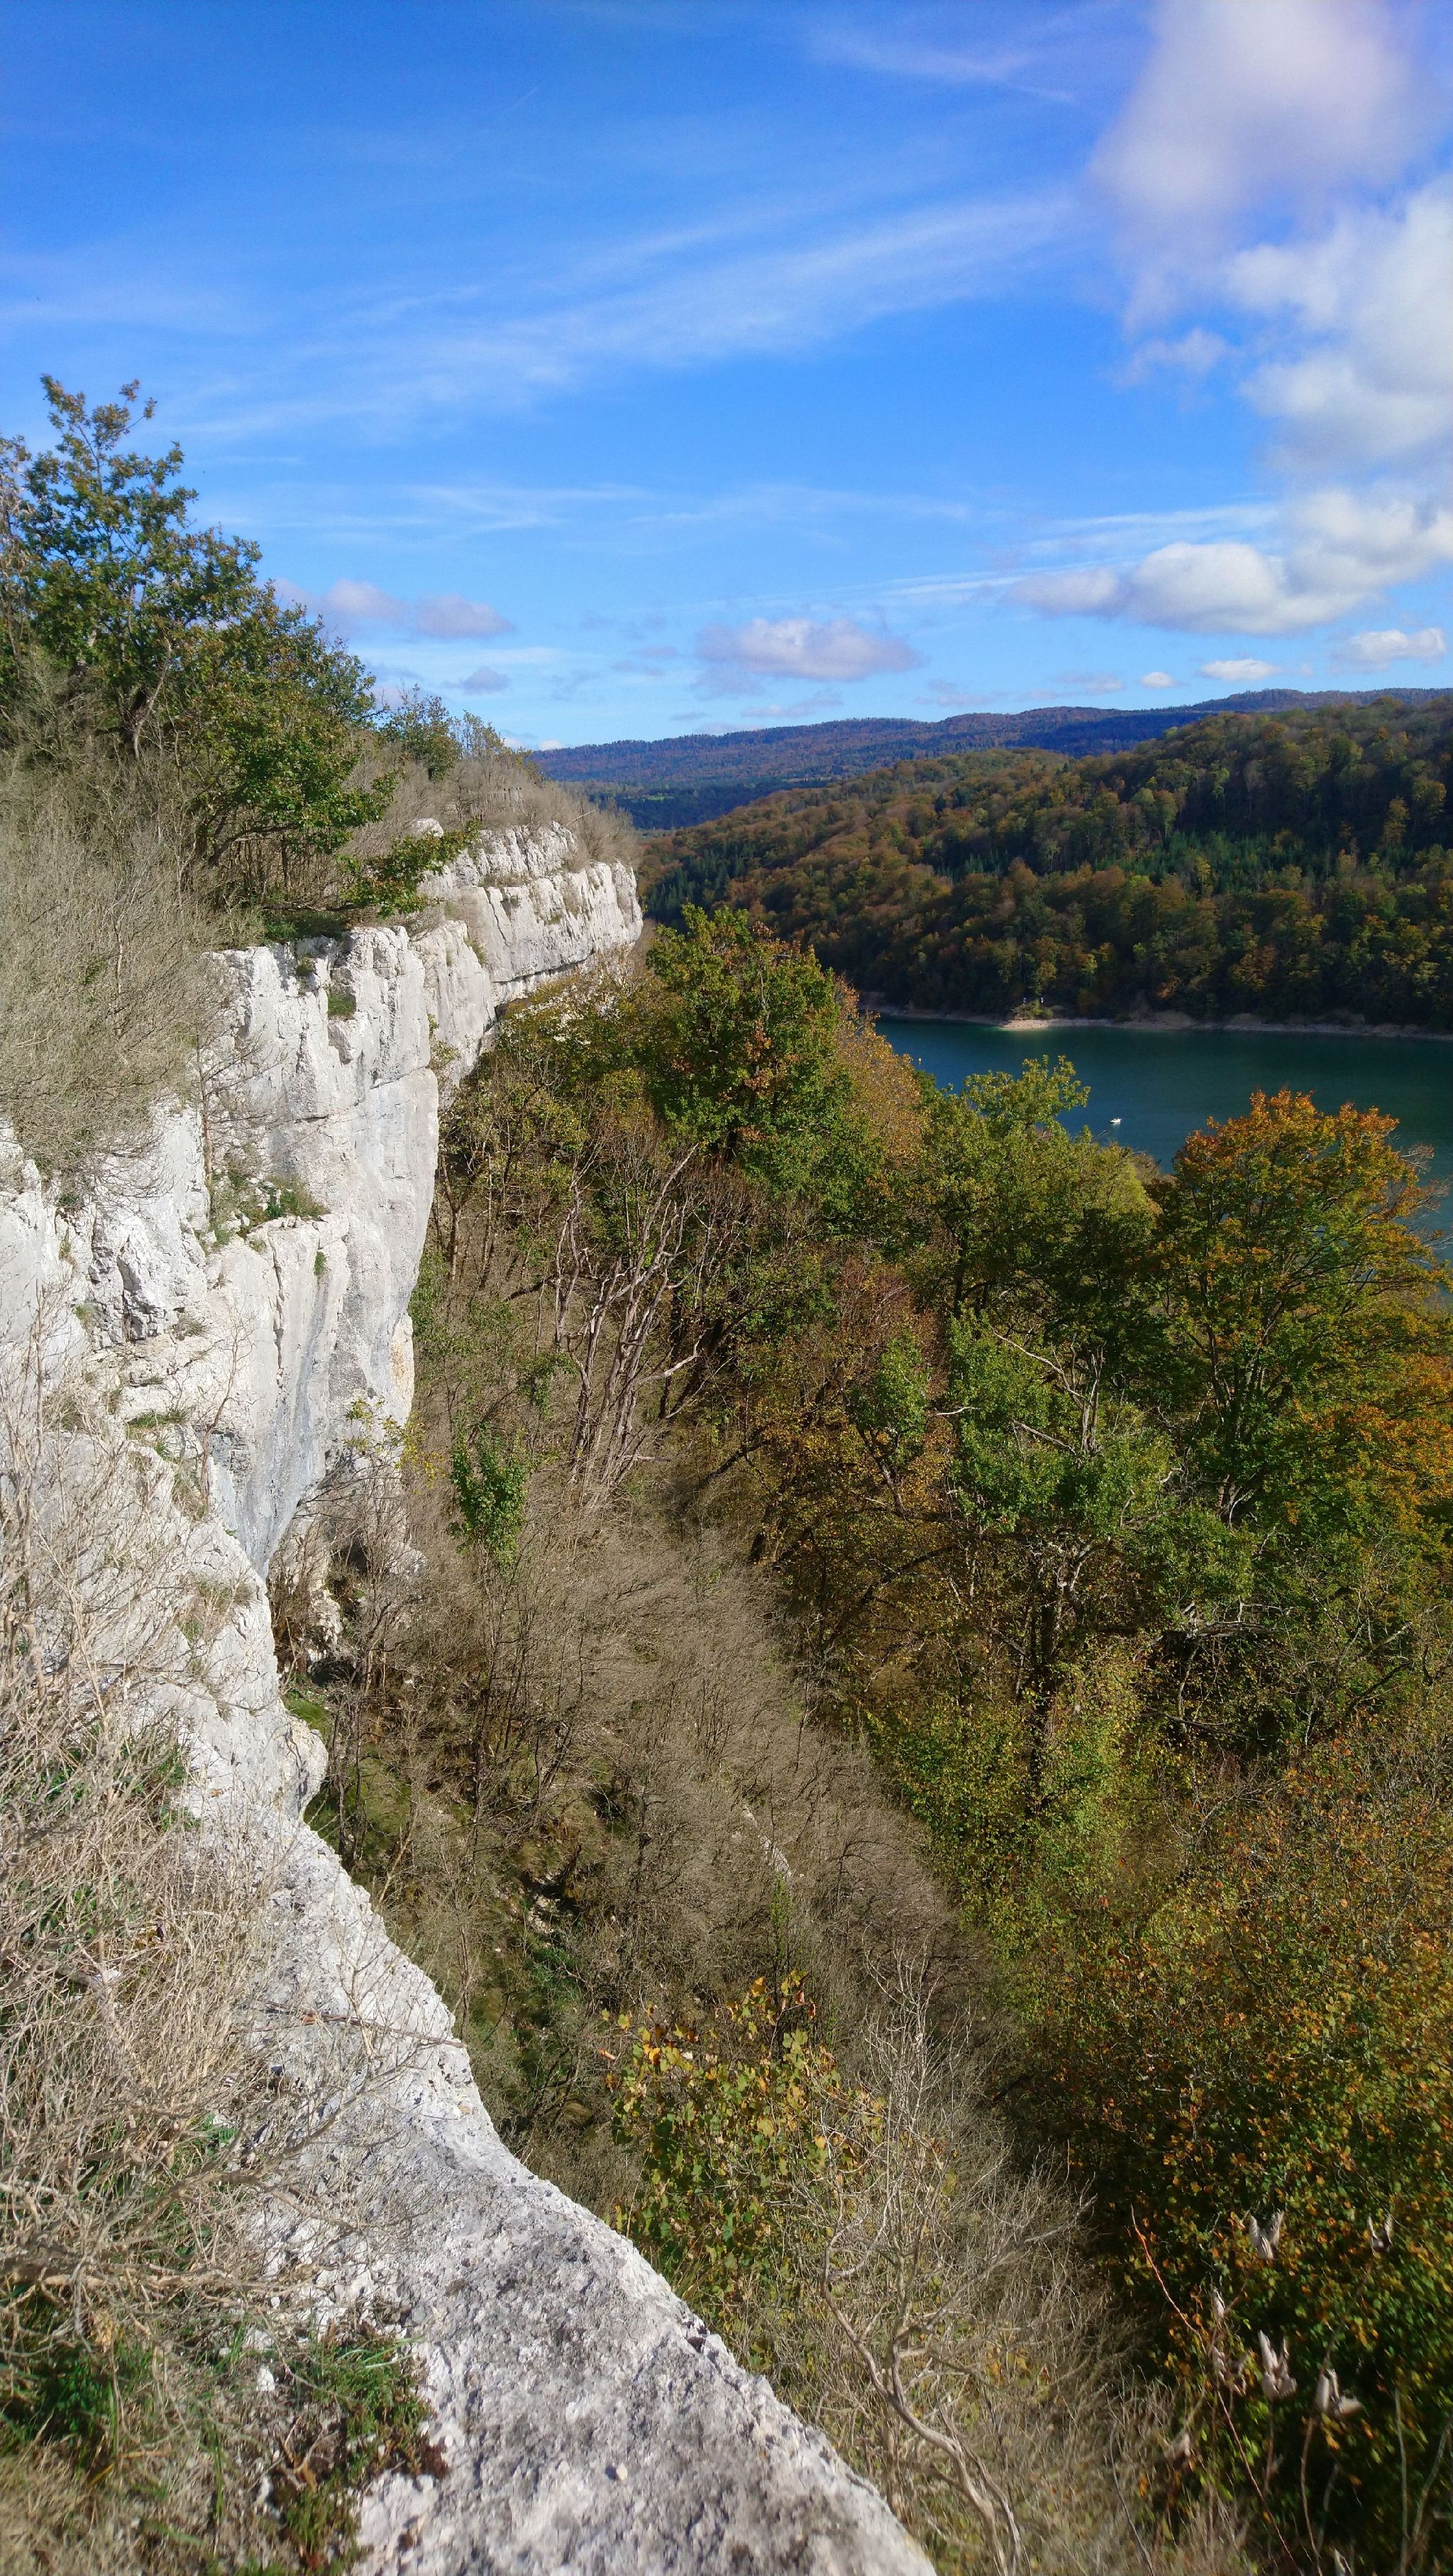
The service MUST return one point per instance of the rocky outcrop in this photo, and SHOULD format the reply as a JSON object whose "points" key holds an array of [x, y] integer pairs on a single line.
{"points": [[237, 1292]]}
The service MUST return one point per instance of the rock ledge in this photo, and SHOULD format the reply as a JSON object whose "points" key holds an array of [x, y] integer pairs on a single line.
{"points": [[589, 2420]]}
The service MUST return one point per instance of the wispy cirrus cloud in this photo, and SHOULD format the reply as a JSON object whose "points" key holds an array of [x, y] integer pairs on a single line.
{"points": [[695, 309], [906, 53], [764, 271], [126, 282], [651, 304]]}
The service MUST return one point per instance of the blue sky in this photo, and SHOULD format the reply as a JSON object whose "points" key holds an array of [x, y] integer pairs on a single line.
{"points": [[643, 366]]}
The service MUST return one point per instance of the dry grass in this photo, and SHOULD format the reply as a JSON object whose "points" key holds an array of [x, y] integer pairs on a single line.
{"points": [[500, 793], [126, 1954], [596, 1748], [148, 2148], [102, 940]]}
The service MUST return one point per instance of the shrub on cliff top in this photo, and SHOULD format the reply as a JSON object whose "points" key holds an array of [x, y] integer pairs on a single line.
{"points": [[121, 622]]}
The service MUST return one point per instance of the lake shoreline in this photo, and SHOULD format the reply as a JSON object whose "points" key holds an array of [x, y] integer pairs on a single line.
{"points": [[1158, 1024], [1150, 1085]]}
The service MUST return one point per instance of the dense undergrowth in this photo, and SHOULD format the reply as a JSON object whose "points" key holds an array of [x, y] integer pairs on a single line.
{"points": [[920, 1755], [1293, 864], [710, 1980]]}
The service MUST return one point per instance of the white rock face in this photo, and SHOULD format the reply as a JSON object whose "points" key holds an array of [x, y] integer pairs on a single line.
{"points": [[589, 2420]]}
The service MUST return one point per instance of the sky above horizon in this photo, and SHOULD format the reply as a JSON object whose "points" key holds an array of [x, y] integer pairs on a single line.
{"points": [[642, 367]]}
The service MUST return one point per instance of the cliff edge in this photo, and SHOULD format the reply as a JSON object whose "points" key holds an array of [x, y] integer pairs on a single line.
{"points": [[237, 1290]]}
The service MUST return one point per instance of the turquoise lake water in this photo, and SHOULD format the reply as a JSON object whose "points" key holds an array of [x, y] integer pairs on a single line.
{"points": [[1162, 1083]]}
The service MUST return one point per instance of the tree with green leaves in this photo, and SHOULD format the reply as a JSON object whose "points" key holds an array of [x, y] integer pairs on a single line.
{"points": [[1029, 1222], [737, 1037], [271, 720], [103, 574], [419, 726], [122, 622], [1298, 1346]]}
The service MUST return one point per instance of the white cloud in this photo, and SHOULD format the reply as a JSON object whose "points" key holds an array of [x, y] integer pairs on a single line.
{"points": [[1242, 100], [485, 678], [1099, 684], [1194, 354], [796, 648], [351, 605], [1239, 666], [1380, 646], [1156, 680], [447, 612], [1372, 296], [1344, 546], [1270, 110], [793, 710]]}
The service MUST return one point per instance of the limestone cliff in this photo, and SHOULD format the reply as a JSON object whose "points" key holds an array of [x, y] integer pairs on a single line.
{"points": [[238, 1289]]}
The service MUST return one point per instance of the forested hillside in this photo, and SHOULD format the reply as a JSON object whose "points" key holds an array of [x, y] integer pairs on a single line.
{"points": [[692, 778], [1294, 864]]}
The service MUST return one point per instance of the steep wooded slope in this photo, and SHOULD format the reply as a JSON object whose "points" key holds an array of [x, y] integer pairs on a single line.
{"points": [[1292, 863]]}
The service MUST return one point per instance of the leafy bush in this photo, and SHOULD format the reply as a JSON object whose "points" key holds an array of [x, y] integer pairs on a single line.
{"points": [[1256, 2072], [731, 2125], [489, 1492], [865, 2242]]}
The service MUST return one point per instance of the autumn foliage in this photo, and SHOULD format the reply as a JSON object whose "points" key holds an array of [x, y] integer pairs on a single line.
{"points": [[1108, 1510]]}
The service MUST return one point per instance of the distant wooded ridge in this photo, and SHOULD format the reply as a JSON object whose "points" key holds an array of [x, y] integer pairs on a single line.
{"points": [[1287, 864], [692, 778]]}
